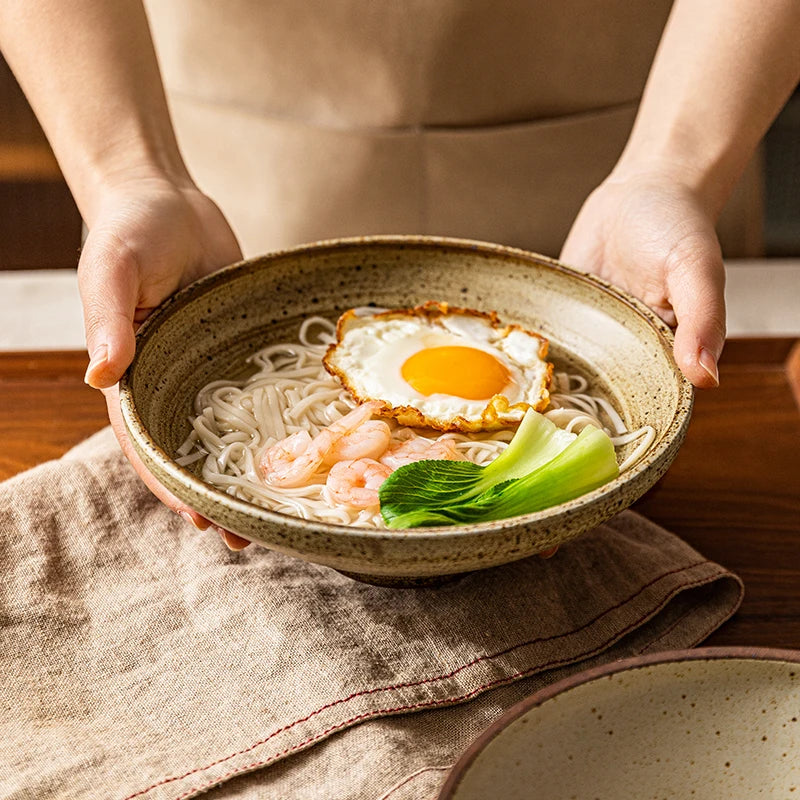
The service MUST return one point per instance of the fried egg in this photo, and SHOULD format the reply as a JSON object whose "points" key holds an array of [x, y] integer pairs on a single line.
{"points": [[453, 369]]}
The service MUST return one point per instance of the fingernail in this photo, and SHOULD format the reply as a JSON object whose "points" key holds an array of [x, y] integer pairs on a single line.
{"points": [[232, 542], [709, 364], [201, 524], [98, 357]]}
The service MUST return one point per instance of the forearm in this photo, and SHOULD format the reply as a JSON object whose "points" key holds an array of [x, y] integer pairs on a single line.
{"points": [[723, 70], [90, 73]]}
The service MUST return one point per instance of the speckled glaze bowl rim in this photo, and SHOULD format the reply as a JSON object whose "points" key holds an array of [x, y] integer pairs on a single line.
{"points": [[630, 664], [651, 460]]}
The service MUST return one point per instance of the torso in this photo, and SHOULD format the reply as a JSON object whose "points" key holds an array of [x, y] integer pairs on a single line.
{"points": [[476, 118]]}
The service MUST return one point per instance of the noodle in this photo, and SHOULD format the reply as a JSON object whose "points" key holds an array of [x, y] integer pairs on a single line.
{"points": [[290, 391]]}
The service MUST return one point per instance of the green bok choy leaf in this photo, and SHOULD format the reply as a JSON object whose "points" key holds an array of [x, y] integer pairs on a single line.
{"points": [[542, 467]]}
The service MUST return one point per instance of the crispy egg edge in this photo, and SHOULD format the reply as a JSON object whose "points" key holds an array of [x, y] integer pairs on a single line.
{"points": [[497, 414]]}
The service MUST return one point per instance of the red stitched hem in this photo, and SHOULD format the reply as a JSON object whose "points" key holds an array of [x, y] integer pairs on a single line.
{"points": [[434, 679], [382, 712]]}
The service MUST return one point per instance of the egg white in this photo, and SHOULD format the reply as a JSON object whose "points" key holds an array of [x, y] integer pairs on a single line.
{"points": [[372, 349]]}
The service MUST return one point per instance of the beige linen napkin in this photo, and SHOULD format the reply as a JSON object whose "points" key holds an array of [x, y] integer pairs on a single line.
{"points": [[141, 659]]}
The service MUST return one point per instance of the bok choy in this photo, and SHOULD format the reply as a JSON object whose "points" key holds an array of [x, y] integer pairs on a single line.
{"points": [[541, 467]]}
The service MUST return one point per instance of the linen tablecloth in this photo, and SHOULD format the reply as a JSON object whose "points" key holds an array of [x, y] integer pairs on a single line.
{"points": [[142, 659]]}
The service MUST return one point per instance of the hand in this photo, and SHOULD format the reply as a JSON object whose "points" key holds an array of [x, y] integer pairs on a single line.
{"points": [[651, 235], [149, 238]]}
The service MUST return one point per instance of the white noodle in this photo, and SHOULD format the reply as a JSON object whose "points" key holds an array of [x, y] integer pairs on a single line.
{"points": [[647, 433], [187, 445], [290, 390], [184, 461]]}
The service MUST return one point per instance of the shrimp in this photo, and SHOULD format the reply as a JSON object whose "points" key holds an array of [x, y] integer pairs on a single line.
{"points": [[355, 483], [293, 461], [421, 449], [288, 453], [368, 440]]}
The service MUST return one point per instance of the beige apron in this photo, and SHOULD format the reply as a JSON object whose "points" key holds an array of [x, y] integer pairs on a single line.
{"points": [[486, 119]]}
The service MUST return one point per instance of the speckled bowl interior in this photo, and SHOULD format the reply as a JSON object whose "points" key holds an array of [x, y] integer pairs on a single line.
{"points": [[207, 330], [709, 723]]}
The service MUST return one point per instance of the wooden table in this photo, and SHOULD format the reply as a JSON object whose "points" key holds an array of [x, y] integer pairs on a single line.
{"points": [[733, 492]]}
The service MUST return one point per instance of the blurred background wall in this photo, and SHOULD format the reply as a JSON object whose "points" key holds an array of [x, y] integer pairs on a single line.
{"points": [[39, 224], [782, 175]]}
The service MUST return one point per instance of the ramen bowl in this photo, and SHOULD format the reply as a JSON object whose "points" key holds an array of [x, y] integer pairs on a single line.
{"points": [[206, 332], [706, 723]]}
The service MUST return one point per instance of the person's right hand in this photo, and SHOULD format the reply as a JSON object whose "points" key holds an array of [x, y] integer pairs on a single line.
{"points": [[149, 238], [651, 234]]}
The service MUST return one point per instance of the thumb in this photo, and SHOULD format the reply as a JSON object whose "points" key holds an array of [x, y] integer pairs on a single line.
{"points": [[697, 293], [109, 287]]}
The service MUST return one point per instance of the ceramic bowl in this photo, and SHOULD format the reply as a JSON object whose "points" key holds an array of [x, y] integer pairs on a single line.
{"points": [[207, 330], [706, 723]]}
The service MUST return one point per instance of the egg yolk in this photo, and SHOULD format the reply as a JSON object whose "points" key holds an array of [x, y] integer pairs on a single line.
{"points": [[459, 371]]}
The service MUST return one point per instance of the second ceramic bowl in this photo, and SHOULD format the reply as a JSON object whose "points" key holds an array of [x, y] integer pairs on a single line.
{"points": [[705, 723]]}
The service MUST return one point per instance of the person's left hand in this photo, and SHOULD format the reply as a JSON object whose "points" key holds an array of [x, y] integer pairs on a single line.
{"points": [[651, 235]]}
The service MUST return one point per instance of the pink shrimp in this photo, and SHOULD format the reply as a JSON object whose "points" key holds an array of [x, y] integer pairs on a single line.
{"points": [[293, 461], [355, 483], [368, 440], [420, 449]]}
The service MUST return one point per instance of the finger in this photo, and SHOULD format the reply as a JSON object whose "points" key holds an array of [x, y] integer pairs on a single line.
{"points": [[697, 293], [108, 282], [232, 541], [582, 247], [667, 313], [161, 492]]}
